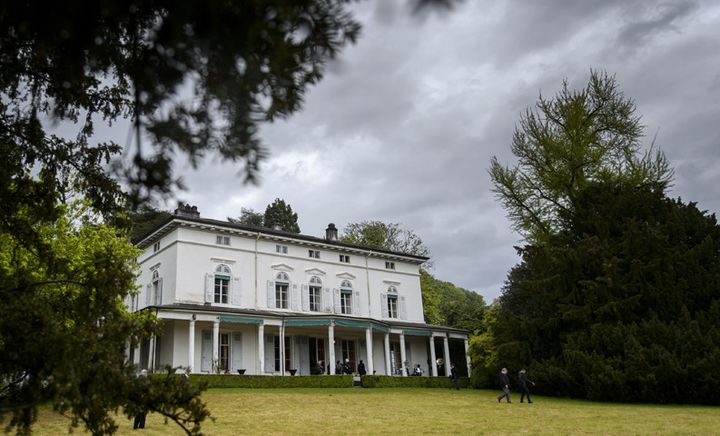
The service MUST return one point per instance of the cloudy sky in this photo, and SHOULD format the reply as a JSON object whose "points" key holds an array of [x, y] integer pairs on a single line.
{"points": [[404, 124]]}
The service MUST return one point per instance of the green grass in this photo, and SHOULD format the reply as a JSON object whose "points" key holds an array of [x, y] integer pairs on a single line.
{"points": [[408, 411]]}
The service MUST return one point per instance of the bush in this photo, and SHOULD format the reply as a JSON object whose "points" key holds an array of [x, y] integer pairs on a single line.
{"points": [[386, 381], [266, 381]]}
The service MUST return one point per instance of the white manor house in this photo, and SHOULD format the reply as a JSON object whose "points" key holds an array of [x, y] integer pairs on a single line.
{"points": [[242, 299]]}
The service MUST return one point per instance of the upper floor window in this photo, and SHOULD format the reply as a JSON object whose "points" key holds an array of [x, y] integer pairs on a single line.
{"points": [[222, 240], [389, 265], [315, 254], [392, 302], [154, 290], [156, 247], [222, 284], [282, 284], [346, 296], [279, 248], [315, 294], [344, 258]]}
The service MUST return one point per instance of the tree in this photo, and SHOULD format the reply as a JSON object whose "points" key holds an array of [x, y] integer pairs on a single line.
{"points": [[622, 305], [64, 329], [196, 79], [145, 219], [279, 213], [452, 306], [248, 217], [566, 143], [390, 236]]}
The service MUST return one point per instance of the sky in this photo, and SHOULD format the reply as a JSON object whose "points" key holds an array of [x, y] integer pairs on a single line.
{"points": [[404, 124]]}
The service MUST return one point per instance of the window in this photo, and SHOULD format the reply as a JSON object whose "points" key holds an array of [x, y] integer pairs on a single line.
{"points": [[392, 306], [348, 353], [288, 356], [315, 254], [222, 240], [346, 301], [224, 352], [281, 290], [156, 247], [222, 284], [389, 265], [344, 258], [156, 296], [315, 294], [281, 249]]}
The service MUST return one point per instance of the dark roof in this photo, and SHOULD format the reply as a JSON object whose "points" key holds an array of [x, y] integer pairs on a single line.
{"points": [[153, 234], [304, 315]]}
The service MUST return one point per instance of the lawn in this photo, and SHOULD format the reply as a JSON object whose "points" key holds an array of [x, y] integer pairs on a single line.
{"points": [[417, 411]]}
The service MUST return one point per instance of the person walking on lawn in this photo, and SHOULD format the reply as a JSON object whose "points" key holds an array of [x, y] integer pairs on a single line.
{"points": [[522, 378], [504, 385]]}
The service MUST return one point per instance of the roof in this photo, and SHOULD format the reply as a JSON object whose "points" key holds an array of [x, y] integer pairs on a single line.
{"points": [[175, 221]]}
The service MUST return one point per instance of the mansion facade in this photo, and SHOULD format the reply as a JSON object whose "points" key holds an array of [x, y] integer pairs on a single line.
{"points": [[235, 298]]}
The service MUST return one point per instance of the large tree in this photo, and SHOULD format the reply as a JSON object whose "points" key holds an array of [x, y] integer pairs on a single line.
{"points": [[248, 217], [279, 213], [386, 236], [622, 305], [195, 78], [574, 139]]}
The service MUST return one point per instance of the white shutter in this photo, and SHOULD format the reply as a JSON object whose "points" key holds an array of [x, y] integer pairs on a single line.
{"points": [[269, 353], [294, 296], [206, 352], [384, 305], [356, 303], [303, 355], [327, 301], [209, 287], [305, 298], [401, 308], [148, 291], [159, 294], [336, 299], [270, 294], [235, 291], [236, 351]]}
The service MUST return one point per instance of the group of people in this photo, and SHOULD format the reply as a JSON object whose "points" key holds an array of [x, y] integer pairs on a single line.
{"points": [[523, 381]]}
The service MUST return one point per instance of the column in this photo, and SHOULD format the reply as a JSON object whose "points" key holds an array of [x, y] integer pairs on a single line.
{"points": [[388, 370], [402, 354], [215, 347], [433, 358], [261, 348], [369, 349], [282, 350], [151, 354], [467, 356], [191, 344], [136, 354], [331, 347], [447, 355]]}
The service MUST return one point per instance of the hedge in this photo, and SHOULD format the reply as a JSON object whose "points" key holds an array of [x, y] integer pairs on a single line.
{"points": [[386, 381], [268, 381]]}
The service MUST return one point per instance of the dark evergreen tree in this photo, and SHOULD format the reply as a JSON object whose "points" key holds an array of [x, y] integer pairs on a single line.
{"points": [[248, 217], [279, 213], [144, 220]]}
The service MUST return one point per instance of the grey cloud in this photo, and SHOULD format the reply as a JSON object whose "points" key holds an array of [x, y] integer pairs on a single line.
{"points": [[659, 18]]}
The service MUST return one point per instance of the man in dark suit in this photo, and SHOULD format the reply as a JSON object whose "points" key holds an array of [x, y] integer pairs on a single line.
{"points": [[454, 376], [504, 385], [522, 378]]}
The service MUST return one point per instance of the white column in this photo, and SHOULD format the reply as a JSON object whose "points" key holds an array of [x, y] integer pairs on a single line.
{"points": [[467, 356], [191, 344], [402, 354], [388, 370], [447, 355], [136, 354], [216, 344], [151, 354], [261, 349], [282, 350], [433, 357], [331, 347], [369, 348]]}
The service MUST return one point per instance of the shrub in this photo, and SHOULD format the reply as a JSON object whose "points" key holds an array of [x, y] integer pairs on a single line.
{"points": [[386, 381], [265, 381]]}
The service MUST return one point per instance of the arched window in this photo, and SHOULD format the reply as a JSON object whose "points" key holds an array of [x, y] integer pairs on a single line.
{"points": [[154, 296], [155, 275], [222, 283], [346, 284], [315, 294], [282, 276], [392, 302], [282, 285], [346, 297]]}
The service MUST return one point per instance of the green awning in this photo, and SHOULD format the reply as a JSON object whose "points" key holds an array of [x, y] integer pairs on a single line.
{"points": [[351, 323], [306, 322], [380, 328], [417, 333], [240, 319]]}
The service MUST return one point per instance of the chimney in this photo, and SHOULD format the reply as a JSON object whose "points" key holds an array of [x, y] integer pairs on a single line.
{"points": [[331, 232], [277, 227], [187, 211]]}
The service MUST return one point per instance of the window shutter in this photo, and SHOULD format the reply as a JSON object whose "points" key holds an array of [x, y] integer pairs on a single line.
{"points": [[336, 298], [209, 287], [236, 351], [235, 291], [384, 305], [159, 295], [270, 294], [327, 300], [294, 296], [148, 292], [401, 308], [269, 353], [305, 297], [356, 303]]}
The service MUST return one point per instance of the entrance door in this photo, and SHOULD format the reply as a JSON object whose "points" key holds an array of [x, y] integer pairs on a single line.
{"points": [[318, 361]]}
